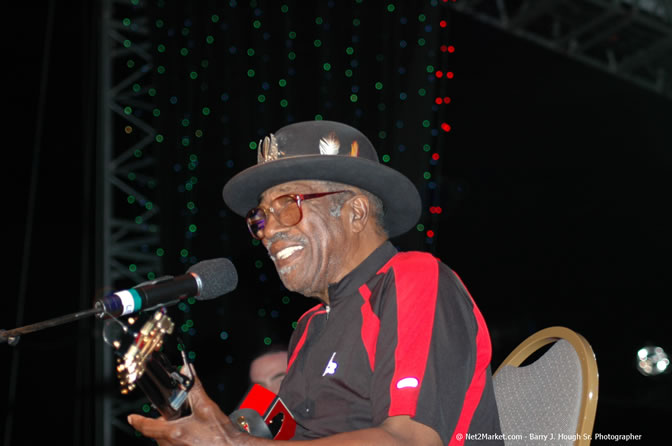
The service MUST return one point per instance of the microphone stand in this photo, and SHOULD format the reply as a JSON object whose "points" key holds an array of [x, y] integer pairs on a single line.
{"points": [[12, 336]]}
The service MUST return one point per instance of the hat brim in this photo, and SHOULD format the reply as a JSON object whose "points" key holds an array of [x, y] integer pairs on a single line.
{"points": [[400, 197]]}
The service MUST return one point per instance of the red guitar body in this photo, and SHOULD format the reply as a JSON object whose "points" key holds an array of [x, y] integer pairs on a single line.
{"points": [[262, 405]]}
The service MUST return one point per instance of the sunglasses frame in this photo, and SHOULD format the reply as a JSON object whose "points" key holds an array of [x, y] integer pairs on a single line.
{"points": [[298, 199]]}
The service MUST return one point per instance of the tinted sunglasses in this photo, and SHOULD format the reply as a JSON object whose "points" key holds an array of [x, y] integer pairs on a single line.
{"points": [[286, 209]]}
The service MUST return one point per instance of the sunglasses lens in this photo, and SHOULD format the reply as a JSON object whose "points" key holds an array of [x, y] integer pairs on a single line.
{"points": [[286, 210], [256, 221]]}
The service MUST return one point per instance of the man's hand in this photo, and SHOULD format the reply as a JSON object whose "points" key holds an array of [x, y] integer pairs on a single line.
{"points": [[206, 425]]}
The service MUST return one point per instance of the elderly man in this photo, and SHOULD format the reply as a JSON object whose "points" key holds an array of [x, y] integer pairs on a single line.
{"points": [[396, 352]]}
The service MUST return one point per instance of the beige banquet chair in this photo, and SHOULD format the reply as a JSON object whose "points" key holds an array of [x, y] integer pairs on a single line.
{"points": [[553, 399]]}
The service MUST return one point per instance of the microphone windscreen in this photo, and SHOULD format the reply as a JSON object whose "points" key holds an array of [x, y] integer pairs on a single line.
{"points": [[218, 276]]}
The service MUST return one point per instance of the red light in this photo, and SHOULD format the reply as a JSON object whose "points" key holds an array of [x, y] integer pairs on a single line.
{"points": [[443, 24], [446, 100], [451, 49], [445, 127], [439, 74], [430, 233], [444, 48], [449, 75], [435, 157], [438, 100]]}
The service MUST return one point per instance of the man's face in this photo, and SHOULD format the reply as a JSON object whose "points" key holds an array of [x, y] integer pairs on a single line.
{"points": [[311, 254], [269, 370]]}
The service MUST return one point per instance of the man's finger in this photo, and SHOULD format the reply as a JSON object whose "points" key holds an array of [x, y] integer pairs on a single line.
{"points": [[149, 427]]}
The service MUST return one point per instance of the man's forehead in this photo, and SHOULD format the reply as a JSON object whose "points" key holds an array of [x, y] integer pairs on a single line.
{"points": [[300, 186]]}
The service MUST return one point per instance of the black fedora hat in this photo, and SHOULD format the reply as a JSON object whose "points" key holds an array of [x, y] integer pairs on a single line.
{"points": [[327, 151]]}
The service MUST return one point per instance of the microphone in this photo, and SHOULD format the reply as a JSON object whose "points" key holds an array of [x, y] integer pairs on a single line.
{"points": [[204, 281]]}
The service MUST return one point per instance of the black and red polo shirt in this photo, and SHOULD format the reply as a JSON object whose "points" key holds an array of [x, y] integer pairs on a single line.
{"points": [[401, 336]]}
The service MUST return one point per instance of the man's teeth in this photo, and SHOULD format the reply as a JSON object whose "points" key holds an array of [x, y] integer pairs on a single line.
{"points": [[283, 254]]}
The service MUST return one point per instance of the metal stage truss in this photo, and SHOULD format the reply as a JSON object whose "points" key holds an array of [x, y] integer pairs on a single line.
{"points": [[126, 185], [630, 39]]}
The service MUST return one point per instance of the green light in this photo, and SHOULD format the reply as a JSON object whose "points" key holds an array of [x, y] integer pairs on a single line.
{"points": [[151, 275], [192, 355], [161, 48], [146, 408], [430, 68], [205, 63], [294, 324], [291, 55], [160, 252], [191, 300], [282, 83], [284, 8], [156, 112], [379, 85], [189, 322], [193, 75], [192, 228], [261, 312], [426, 147], [258, 264], [422, 18], [420, 227], [128, 110], [209, 39], [319, 20], [261, 98], [132, 268], [422, 92], [284, 103], [149, 206], [326, 66], [130, 63], [158, 137], [185, 122], [151, 92], [426, 123], [356, 22], [250, 51], [160, 69], [252, 145], [214, 18], [191, 205], [285, 300], [390, 8], [205, 111], [130, 199], [198, 133], [127, 43], [131, 176], [427, 175], [348, 73], [184, 253], [421, 41], [353, 98], [292, 35], [159, 23], [256, 24], [317, 43], [184, 51], [255, 242], [382, 134], [318, 117], [386, 158], [193, 157], [138, 153], [250, 73], [350, 50], [138, 220], [267, 341]]}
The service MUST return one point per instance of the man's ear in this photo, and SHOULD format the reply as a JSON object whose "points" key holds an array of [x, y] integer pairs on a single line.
{"points": [[358, 212]]}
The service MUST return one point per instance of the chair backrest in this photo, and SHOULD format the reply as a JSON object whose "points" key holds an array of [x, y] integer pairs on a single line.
{"points": [[553, 400]]}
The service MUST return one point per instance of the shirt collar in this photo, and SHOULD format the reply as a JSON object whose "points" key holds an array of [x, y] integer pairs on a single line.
{"points": [[364, 271]]}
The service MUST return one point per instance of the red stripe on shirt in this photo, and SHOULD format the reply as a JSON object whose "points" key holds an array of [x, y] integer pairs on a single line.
{"points": [[475, 390], [299, 344], [416, 282], [370, 326]]}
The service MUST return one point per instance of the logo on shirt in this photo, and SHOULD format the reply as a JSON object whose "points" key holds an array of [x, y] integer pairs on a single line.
{"points": [[330, 369]]}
